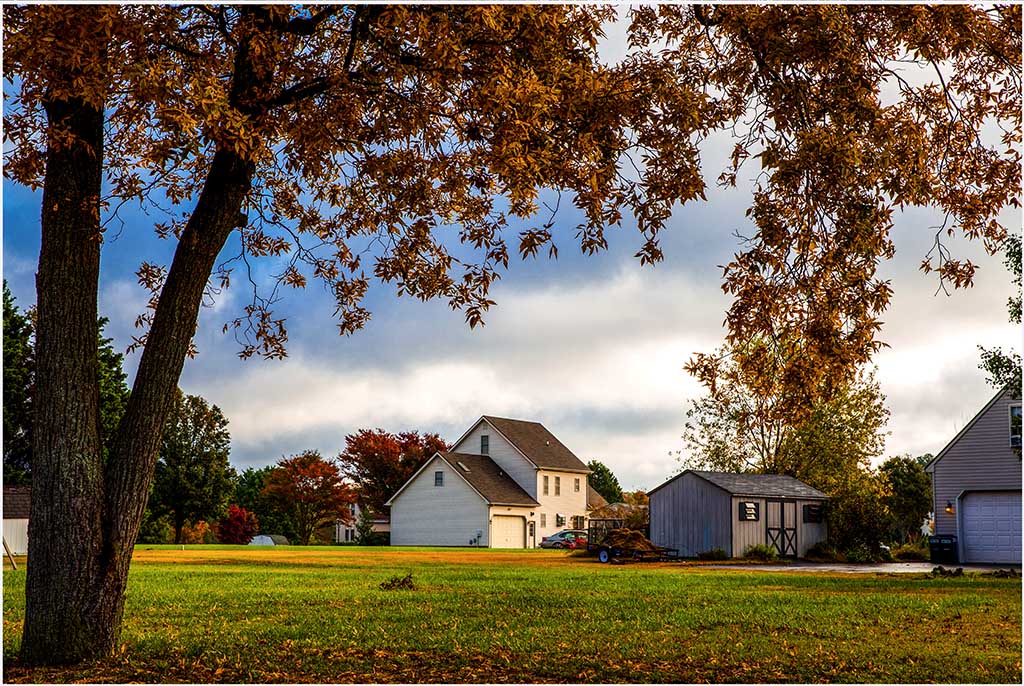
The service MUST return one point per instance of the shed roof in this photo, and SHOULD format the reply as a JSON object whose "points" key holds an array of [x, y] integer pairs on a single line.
{"points": [[756, 485], [17, 502], [489, 480], [538, 444]]}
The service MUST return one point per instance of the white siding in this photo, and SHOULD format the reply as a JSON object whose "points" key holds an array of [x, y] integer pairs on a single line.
{"points": [[569, 503], [16, 535], [980, 460], [503, 453], [449, 515]]}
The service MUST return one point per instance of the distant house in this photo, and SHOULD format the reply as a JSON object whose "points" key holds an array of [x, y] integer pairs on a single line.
{"points": [[506, 483], [698, 511], [345, 532], [17, 500], [976, 484]]}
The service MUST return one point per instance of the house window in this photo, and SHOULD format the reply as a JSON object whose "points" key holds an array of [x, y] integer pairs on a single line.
{"points": [[813, 513], [558, 485], [545, 485], [576, 485], [1015, 426], [543, 519], [749, 511], [559, 519], [578, 522], [439, 478], [485, 445]]}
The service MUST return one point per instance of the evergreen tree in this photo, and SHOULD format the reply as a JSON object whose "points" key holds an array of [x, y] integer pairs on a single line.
{"points": [[604, 482], [18, 373]]}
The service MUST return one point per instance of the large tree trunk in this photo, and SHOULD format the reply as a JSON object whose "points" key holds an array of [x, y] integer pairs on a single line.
{"points": [[65, 524], [86, 515]]}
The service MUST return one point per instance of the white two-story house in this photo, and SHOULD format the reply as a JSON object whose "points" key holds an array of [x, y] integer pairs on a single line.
{"points": [[506, 483]]}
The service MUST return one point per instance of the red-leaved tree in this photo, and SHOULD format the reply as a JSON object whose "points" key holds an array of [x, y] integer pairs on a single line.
{"points": [[378, 462], [239, 526], [309, 490]]}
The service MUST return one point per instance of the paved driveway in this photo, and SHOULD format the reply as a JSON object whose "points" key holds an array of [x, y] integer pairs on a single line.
{"points": [[878, 568]]}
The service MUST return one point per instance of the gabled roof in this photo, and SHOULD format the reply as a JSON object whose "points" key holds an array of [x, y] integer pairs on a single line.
{"points": [[594, 499], [537, 444], [17, 502], [755, 485], [942, 453], [483, 475]]}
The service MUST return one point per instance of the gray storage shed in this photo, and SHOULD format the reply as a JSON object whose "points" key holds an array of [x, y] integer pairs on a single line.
{"points": [[698, 511]]}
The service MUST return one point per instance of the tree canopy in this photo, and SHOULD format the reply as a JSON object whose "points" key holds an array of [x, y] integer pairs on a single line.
{"points": [[602, 480], [378, 463], [18, 372], [910, 498], [405, 144], [310, 490], [1003, 368], [194, 479]]}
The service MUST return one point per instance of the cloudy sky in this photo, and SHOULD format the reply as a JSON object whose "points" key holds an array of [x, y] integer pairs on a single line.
{"points": [[592, 347]]}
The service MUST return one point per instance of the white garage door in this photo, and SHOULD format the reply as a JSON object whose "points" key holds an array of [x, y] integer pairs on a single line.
{"points": [[991, 527], [508, 532]]}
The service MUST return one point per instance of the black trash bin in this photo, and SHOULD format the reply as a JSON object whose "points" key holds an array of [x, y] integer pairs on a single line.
{"points": [[943, 550]]}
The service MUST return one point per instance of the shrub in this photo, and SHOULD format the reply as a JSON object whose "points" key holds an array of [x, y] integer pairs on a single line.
{"points": [[761, 551], [912, 552], [238, 527], [713, 554], [200, 532], [823, 551]]}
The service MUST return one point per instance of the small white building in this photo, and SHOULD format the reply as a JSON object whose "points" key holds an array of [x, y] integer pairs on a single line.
{"points": [[345, 532], [17, 500], [506, 483]]}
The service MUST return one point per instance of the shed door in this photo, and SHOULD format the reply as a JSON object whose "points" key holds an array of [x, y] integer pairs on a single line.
{"points": [[991, 527], [780, 525], [508, 532]]}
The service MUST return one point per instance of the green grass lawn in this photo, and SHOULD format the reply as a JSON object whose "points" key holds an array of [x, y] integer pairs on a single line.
{"points": [[237, 614]]}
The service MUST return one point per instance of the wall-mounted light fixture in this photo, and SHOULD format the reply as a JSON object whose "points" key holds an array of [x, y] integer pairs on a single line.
{"points": [[949, 507]]}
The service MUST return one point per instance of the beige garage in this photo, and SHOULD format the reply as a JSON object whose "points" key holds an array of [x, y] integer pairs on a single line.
{"points": [[508, 532]]}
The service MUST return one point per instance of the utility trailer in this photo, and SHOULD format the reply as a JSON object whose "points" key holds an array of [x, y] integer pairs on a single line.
{"points": [[619, 549], [617, 555]]}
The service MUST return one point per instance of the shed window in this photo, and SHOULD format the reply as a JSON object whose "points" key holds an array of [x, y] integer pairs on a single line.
{"points": [[439, 478], [1015, 426], [485, 445], [576, 485], [749, 511], [813, 513], [558, 485], [545, 485]]}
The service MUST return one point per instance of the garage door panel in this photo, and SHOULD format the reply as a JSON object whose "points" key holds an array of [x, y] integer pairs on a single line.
{"points": [[991, 527], [508, 532]]}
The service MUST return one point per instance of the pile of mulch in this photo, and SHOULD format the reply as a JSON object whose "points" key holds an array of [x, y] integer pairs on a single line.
{"points": [[398, 583], [628, 539]]}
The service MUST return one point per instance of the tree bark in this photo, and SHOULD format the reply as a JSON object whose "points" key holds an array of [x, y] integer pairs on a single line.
{"points": [[65, 523], [86, 515]]}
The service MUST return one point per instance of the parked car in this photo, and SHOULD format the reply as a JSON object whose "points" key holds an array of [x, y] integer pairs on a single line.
{"points": [[567, 538]]}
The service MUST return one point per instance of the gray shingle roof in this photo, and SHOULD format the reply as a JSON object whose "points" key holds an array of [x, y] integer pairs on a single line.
{"points": [[17, 500], [538, 444], [764, 485], [483, 474], [594, 499]]}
